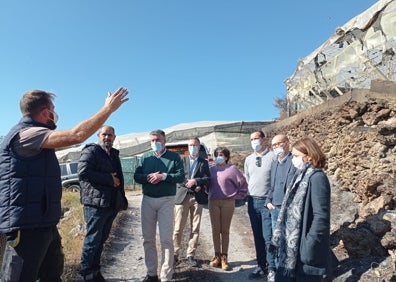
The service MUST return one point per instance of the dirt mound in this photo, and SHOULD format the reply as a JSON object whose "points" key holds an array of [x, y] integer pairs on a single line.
{"points": [[358, 138]]}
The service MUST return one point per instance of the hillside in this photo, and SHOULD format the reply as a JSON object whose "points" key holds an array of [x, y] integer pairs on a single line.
{"points": [[357, 132]]}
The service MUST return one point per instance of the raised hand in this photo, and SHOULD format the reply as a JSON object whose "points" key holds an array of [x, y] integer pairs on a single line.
{"points": [[116, 99]]}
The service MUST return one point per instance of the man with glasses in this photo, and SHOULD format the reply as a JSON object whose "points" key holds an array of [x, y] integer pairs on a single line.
{"points": [[282, 172], [258, 175]]}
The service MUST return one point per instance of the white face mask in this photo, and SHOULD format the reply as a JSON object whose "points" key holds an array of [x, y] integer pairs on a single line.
{"points": [[56, 118], [193, 150], [298, 162], [256, 145], [156, 146], [279, 152], [219, 160]]}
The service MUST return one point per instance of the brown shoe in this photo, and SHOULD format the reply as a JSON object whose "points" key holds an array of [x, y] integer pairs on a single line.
{"points": [[216, 262], [224, 263]]}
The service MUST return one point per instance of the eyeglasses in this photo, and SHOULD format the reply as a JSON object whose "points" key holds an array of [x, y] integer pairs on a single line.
{"points": [[258, 161], [277, 144]]}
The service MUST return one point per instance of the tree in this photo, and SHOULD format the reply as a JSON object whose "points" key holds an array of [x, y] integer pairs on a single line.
{"points": [[281, 104]]}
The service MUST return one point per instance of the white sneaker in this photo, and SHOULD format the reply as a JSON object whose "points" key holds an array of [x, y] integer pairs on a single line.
{"points": [[271, 276]]}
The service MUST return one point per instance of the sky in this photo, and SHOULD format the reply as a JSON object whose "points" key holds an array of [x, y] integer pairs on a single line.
{"points": [[181, 60]]}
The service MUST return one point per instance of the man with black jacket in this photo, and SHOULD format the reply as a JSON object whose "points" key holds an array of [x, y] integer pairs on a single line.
{"points": [[101, 178], [190, 196]]}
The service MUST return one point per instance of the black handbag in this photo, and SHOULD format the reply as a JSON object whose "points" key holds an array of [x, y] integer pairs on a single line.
{"points": [[120, 202], [201, 196]]}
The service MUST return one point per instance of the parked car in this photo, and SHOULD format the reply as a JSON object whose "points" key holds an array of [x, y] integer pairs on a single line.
{"points": [[69, 176]]}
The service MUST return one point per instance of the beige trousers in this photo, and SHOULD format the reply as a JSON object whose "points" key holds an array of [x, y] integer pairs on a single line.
{"points": [[221, 212], [153, 211], [190, 207]]}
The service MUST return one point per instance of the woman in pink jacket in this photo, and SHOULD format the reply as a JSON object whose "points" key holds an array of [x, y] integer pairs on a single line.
{"points": [[227, 183]]}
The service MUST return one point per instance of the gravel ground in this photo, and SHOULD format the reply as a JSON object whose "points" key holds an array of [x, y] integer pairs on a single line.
{"points": [[124, 256]]}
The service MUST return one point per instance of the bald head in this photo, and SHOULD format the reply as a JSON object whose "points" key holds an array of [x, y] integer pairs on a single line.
{"points": [[281, 145]]}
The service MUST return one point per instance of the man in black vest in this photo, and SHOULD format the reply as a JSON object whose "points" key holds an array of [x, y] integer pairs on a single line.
{"points": [[30, 186], [189, 199]]}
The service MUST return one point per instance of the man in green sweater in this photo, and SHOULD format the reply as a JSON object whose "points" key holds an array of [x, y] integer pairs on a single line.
{"points": [[158, 171]]}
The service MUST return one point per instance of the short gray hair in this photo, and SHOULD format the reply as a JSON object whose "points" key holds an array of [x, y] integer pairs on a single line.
{"points": [[158, 132]]}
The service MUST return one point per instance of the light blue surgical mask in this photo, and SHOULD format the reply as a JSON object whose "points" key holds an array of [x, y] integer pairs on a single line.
{"points": [[219, 160], [156, 146], [193, 150], [256, 145]]}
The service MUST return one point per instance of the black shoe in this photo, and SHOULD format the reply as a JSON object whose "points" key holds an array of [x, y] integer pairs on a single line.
{"points": [[192, 262], [149, 278], [257, 273], [175, 260], [91, 278], [99, 278]]}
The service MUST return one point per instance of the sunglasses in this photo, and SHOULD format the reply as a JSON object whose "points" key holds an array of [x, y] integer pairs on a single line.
{"points": [[258, 161]]}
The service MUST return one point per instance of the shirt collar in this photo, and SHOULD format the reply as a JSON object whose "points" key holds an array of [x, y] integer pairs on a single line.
{"points": [[284, 158], [159, 156]]}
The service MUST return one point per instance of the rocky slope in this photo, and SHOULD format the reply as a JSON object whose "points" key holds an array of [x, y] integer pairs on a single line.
{"points": [[358, 137]]}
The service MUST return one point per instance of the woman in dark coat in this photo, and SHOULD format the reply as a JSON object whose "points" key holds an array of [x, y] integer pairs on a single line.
{"points": [[303, 227]]}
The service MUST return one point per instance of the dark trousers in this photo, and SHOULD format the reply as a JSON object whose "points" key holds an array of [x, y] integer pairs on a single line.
{"points": [[33, 254], [98, 222]]}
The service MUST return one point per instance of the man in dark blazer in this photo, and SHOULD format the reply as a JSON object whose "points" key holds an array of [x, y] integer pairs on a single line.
{"points": [[282, 173], [190, 196]]}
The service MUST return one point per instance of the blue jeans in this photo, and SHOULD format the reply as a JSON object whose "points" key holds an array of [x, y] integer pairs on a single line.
{"points": [[98, 222], [274, 216], [260, 220]]}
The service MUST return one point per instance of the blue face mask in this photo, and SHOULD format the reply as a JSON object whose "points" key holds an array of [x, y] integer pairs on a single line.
{"points": [[256, 145], [193, 150], [219, 160], [156, 146]]}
